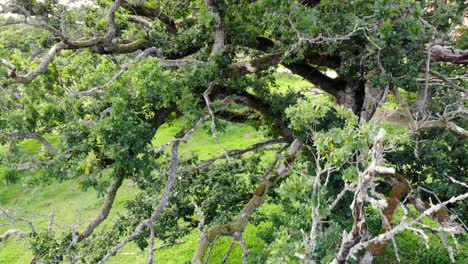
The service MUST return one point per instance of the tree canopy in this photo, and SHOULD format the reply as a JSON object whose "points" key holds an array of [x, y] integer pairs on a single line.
{"points": [[382, 123]]}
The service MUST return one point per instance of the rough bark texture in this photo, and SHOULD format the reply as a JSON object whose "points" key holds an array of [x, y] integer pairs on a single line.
{"points": [[352, 96], [449, 54]]}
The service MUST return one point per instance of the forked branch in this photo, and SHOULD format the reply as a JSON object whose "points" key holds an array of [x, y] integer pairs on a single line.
{"points": [[236, 228]]}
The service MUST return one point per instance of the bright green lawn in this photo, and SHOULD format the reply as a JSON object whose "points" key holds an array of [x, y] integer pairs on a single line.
{"points": [[69, 203]]}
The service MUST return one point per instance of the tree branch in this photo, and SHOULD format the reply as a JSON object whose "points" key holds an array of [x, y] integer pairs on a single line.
{"points": [[219, 44], [153, 13], [123, 69], [256, 65], [449, 54], [112, 27], [11, 232], [407, 225], [313, 75], [231, 153], [159, 208], [105, 210], [34, 135], [360, 196], [41, 68], [447, 81], [238, 226]]}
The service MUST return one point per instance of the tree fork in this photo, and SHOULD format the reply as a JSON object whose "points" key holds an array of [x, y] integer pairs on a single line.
{"points": [[238, 226], [401, 189]]}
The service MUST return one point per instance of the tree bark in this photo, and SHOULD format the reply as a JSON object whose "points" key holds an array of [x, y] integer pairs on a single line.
{"points": [[238, 226], [105, 210]]}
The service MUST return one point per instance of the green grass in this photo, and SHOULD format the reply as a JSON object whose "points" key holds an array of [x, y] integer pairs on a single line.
{"points": [[69, 203], [286, 81]]}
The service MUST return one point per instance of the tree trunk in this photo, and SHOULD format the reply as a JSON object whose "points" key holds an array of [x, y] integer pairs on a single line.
{"points": [[352, 96]]}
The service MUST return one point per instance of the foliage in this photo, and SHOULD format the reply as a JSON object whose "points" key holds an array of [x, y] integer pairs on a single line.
{"points": [[94, 114]]}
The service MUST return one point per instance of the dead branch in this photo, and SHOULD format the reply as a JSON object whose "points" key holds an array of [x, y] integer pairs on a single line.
{"points": [[13, 219], [11, 232], [347, 187], [441, 123], [398, 192], [206, 96], [447, 81], [228, 253], [406, 225], [360, 196], [304, 258]]}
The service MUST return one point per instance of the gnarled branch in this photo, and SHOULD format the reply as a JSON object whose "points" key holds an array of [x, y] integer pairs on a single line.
{"points": [[238, 226], [105, 210]]}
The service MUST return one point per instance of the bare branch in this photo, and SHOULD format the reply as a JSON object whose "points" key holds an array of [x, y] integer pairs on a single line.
{"points": [[228, 253], [150, 244], [255, 65], [447, 81], [11, 232], [159, 208], [347, 188], [33, 135], [112, 27], [181, 63], [245, 249], [449, 54], [407, 225], [41, 68], [123, 69], [304, 258], [13, 220], [152, 13], [200, 215], [141, 20], [13, 7], [440, 123], [206, 96], [219, 44], [360, 196]]}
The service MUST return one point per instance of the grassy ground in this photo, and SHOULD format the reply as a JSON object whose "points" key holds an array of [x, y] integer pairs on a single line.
{"points": [[69, 203]]}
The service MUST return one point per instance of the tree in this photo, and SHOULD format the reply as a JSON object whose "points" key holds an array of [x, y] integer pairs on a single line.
{"points": [[103, 76]]}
